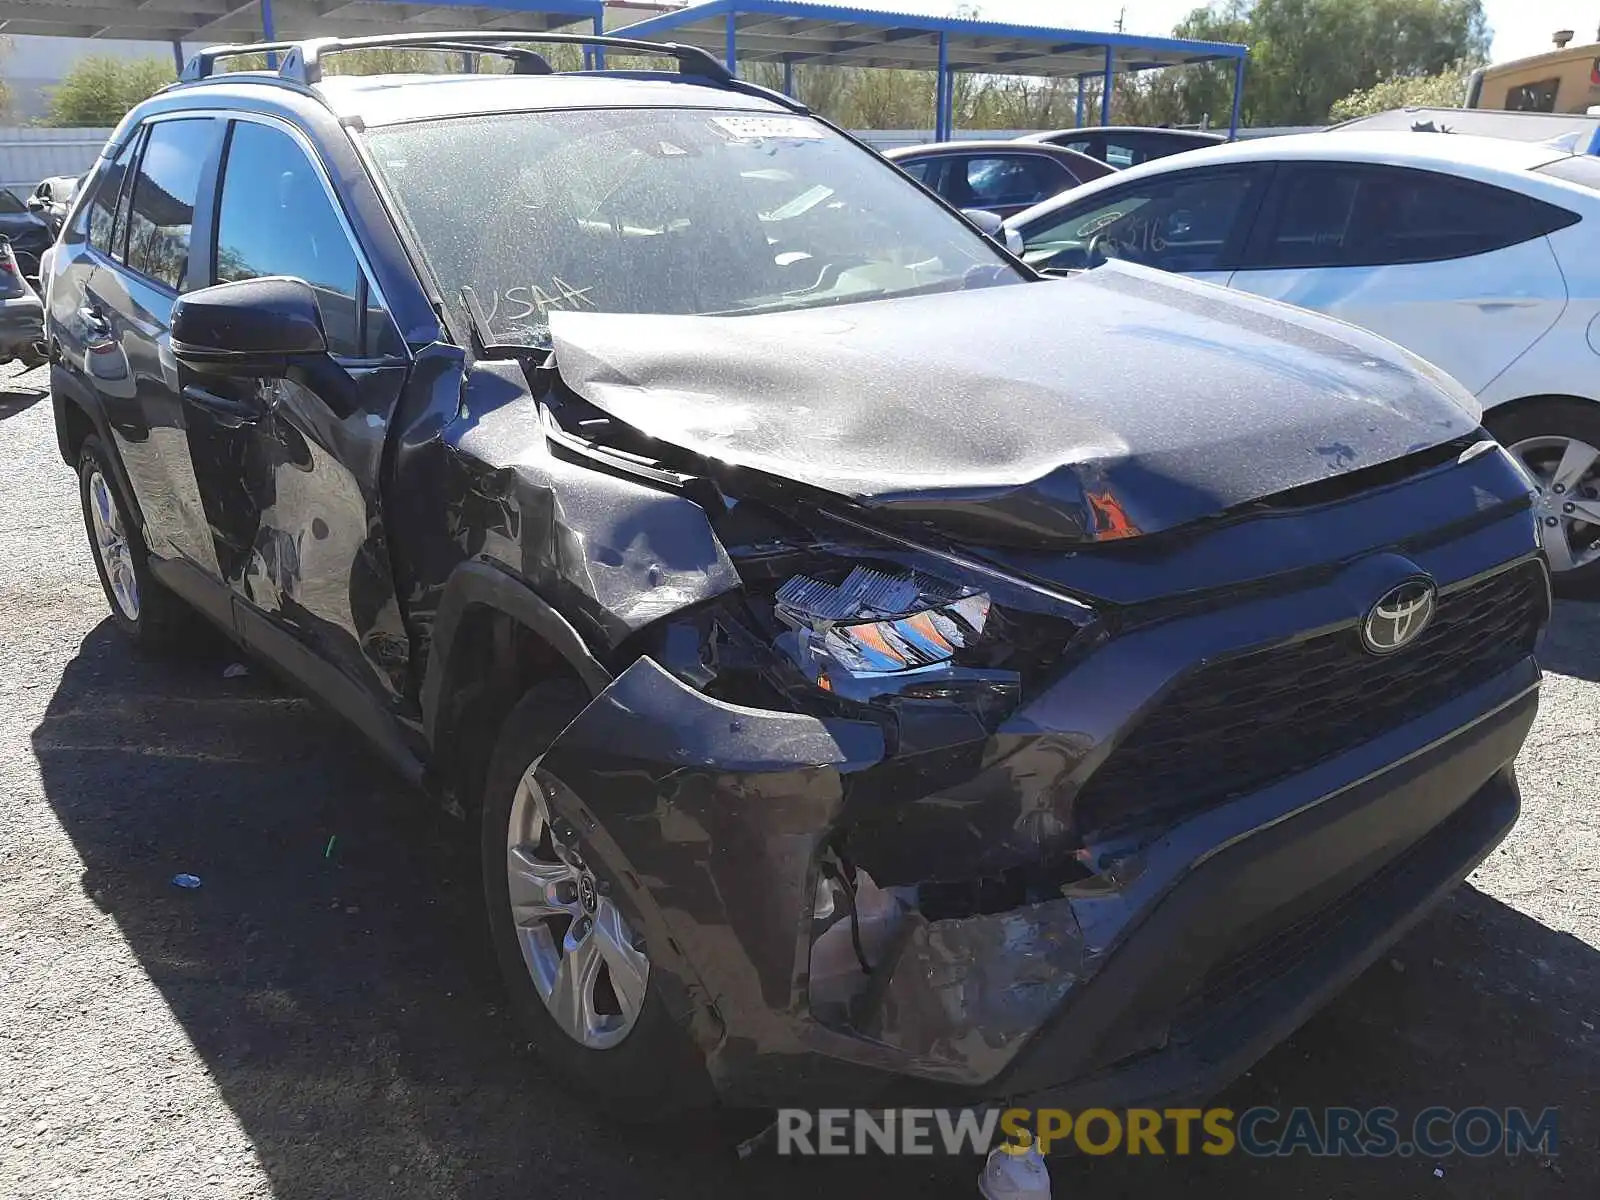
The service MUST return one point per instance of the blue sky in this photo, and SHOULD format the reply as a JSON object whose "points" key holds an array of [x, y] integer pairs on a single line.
{"points": [[1521, 27]]}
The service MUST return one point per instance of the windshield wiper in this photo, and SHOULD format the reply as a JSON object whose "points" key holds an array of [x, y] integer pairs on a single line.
{"points": [[478, 326]]}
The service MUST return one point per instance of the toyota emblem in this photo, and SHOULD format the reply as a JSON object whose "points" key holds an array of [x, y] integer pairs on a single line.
{"points": [[1399, 616]]}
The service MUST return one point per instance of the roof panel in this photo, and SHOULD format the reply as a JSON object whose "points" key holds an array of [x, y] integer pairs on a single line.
{"points": [[797, 31]]}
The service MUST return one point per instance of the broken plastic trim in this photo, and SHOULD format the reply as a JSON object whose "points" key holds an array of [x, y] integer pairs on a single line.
{"points": [[658, 718]]}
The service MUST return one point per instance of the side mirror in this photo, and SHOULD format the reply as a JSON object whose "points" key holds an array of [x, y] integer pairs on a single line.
{"points": [[255, 327], [993, 227], [989, 224], [36, 204]]}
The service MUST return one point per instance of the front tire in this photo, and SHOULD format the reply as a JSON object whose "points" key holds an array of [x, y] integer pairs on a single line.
{"points": [[580, 974], [1558, 441], [149, 615]]}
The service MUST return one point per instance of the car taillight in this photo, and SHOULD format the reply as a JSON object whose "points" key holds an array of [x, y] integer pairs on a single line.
{"points": [[11, 281]]}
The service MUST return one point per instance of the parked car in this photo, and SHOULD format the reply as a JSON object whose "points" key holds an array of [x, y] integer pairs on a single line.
{"points": [[1471, 252], [1127, 145], [996, 176], [864, 669], [21, 314], [28, 232], [52, 198], [1576, 133]]}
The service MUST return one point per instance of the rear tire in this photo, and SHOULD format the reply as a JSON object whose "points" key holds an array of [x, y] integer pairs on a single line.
{"points": [[1559, 442], [147, 613], [639, 1065]]}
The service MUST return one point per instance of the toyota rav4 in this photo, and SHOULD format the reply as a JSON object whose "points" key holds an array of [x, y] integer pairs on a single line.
{"points": [[872, 670]]}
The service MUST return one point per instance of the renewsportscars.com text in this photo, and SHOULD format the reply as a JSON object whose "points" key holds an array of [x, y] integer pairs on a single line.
{"points": [[1437, 1132]]}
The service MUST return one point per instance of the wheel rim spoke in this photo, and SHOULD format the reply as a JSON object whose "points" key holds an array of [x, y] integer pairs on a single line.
{"points": [[537, 887], [111, 545], [1587, 510], [629, 968], [1576, 461], [1556, 546], [569, 948], [572, 998]]}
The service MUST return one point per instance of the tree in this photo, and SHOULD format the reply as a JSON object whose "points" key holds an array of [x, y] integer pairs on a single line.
{"points": [[1307, 54], [100, 89], [5, 90], [1444, 90]]}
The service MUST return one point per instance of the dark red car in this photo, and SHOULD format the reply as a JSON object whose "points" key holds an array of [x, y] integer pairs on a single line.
{"points": [[1002, 177]]}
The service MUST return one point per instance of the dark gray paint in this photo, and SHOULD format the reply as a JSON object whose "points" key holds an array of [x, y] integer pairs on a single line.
{"points": [[998, 412]]}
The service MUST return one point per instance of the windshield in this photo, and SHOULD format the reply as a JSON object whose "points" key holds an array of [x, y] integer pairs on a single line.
{"points": [[689, 211]]}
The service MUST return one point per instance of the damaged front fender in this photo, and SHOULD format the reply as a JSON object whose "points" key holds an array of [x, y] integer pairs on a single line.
{"points": [[718, 816], [717, 812]]}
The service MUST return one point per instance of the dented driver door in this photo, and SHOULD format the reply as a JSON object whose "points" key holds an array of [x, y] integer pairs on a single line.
{"points": [[288, 469]]}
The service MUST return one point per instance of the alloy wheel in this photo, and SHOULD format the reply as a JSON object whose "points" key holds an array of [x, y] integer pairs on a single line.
{"points": [[586, 962], [1567, 472], [111, 546]]}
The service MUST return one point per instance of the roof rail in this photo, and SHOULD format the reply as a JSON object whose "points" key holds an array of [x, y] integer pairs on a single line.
{"points": [[303, 60], [203, 65]]}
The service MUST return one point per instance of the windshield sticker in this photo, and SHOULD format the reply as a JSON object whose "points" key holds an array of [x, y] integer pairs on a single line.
{"points": [[754, 129]]}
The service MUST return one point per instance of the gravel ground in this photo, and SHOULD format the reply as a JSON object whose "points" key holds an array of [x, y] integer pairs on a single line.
{"points": [[319, 1022]]}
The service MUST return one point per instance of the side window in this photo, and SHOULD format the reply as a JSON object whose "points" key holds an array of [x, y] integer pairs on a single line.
{"points": [[102, 209], [275, 218], [1014, 179], [1123, 153], [1316, 220], [1373, 216], [918, 170], [1533, 97], [1184, 221], [161, 213]]}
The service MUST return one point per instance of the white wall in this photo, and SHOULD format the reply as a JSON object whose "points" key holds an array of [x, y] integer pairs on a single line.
{"points": [[28, 155], [35, 64]]}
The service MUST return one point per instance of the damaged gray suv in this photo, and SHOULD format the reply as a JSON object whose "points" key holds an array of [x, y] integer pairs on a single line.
{"points": [[875, 671]]}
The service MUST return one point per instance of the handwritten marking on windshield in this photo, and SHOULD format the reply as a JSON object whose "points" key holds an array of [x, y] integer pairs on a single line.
{"points": [[523, 302]]}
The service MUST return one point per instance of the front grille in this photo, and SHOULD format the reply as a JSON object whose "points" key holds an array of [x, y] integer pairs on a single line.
{"points": [[1239, 724]]}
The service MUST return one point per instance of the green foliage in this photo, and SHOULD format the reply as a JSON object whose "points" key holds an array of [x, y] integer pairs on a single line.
{"points": [[1444, 90], [100, 89], [5, 90], [1307, 54]]}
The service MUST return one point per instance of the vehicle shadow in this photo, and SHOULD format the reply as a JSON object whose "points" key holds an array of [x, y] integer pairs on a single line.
{"points": [[1571, 644], [14, 401], [331, 974]]}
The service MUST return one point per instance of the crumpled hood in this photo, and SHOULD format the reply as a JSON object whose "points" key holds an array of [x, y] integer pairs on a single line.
{"points": [[1118, 402]]}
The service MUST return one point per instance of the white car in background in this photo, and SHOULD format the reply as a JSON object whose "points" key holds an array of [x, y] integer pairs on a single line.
{"points": [[1480, 255]]}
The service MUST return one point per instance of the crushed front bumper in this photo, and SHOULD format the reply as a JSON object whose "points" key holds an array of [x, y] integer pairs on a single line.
{"points": [[1192, 949]]}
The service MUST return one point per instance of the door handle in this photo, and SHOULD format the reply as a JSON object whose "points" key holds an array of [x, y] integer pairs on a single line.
{"points": [[229, 412], [1502, 302]]}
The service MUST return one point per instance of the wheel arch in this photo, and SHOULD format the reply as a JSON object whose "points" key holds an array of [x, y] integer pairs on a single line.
{"points": [[1506, 407], [493, 638], [77, 420], [74, 424]]}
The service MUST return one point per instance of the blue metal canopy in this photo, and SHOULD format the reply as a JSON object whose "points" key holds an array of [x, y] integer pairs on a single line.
{"points": [[794, 31]]}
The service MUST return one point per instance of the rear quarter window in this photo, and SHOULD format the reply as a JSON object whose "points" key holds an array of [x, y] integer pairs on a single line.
{"points": [[1338, 215]]}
